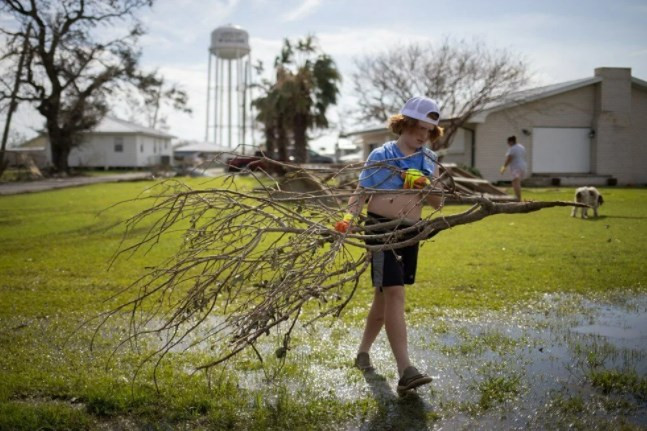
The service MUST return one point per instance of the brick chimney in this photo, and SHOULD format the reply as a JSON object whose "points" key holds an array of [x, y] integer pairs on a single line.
{"points": [[615, 93], [612, 121]]}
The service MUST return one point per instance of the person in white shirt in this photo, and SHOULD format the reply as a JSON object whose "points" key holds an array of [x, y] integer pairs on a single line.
{"points": [[515, 159]]}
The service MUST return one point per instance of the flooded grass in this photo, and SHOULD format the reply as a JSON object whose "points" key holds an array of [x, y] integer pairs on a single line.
{"points": [[493, 370]]}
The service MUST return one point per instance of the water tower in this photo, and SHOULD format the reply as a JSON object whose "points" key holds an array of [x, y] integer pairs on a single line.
{"points": [[229, 91]]}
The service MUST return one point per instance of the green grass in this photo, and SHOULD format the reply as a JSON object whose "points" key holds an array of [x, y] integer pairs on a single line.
{"points": [[20, 416], [613, 381], [56, 247], [506, 259]]}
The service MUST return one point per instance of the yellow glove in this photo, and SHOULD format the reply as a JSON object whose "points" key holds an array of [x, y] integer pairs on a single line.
{"points": [[502, 170], [343, 225], [415, 179]]}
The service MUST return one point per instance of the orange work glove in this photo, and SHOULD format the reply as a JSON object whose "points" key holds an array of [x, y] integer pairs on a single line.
{"points": [[415, 179], [343, 225]]}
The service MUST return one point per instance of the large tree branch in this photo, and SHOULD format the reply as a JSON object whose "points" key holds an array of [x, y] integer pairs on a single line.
{"points": [[251, 260]]}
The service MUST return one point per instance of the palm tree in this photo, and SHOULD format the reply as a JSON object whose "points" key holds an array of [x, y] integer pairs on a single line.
{"points": [[272, 109], [306, 86]]}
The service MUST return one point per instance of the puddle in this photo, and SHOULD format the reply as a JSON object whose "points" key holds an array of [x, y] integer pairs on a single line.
{"points": [[631, 332], [551, 353], [513, 370], [615, 323]]}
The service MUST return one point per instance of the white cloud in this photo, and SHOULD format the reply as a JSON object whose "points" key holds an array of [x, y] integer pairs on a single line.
{"points": [[185, 19], [305, 9], [193, 79], [361, 41]]}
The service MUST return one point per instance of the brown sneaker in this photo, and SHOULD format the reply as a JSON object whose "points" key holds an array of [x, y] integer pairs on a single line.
{"points": [[412, 378], [363, 362]]}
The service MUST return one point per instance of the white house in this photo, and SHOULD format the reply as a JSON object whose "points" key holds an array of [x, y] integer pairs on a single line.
{"points": [[589, 131], [119, 143], [333, 145]]}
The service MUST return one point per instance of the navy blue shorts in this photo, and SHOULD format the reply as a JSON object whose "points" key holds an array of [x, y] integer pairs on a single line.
{"points": [[391, 267]]}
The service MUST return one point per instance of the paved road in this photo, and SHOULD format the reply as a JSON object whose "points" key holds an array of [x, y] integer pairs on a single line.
{"points": [[15, 188]]}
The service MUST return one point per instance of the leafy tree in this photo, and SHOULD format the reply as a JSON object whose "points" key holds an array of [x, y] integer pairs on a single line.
{"points": [[71, 68], [271, 108], [306, 85], [463, 77]]}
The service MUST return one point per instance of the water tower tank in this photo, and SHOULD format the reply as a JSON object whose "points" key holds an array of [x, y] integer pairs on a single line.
{"points": [[229, 42]]}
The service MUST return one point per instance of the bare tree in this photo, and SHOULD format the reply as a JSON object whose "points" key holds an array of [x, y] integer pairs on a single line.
{"points": [[252, 260], [71, 68], [463, 77], [150, 105]]}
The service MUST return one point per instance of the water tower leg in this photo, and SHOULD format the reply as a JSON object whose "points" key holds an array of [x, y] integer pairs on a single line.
{"points": [[206, 130], [243, 127], [221, 111], [229, 91], [216, 89], [240, 107]]}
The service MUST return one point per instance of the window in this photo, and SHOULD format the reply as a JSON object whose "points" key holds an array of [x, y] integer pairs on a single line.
{"points": [[119, 144], [141, 148]]}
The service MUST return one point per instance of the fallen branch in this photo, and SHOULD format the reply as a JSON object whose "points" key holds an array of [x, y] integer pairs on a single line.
{"points": [[252, 260]]}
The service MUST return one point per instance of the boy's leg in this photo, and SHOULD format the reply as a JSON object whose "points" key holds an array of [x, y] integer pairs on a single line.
{"points": [[374, 322], [395, 324]]}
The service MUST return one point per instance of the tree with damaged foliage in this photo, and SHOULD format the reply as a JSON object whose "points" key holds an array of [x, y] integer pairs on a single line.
{"points": [[157, 95], [255, 262], [465, 77], [306, 85], [71, 69]]}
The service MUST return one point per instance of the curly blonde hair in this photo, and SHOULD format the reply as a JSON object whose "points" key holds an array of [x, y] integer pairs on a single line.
{"points": [[398, 123]]}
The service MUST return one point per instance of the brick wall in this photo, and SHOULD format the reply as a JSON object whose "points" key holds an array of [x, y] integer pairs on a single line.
{"points": [[613, 125]]}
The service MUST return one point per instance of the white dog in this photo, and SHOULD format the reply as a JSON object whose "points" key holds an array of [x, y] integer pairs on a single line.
{"points": [[589, 196]]}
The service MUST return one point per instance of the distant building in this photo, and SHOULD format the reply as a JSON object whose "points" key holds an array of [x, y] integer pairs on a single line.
{"points": [[333, 145], [113, 143], [589, 131], [196, 153]]}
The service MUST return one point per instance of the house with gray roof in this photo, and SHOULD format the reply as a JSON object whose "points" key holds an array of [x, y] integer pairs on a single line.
{"points": [[590, 131], [119, 143], [113, 143]]}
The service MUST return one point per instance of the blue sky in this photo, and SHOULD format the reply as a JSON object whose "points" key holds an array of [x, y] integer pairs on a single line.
{"points": [[560, 40]]}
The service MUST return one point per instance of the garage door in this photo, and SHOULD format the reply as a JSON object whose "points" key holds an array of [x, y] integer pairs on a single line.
{"points": [[561, 150]]}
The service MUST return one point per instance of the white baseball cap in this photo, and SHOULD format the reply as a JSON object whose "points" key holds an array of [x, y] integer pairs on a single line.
{"points": [[423, 109]]}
